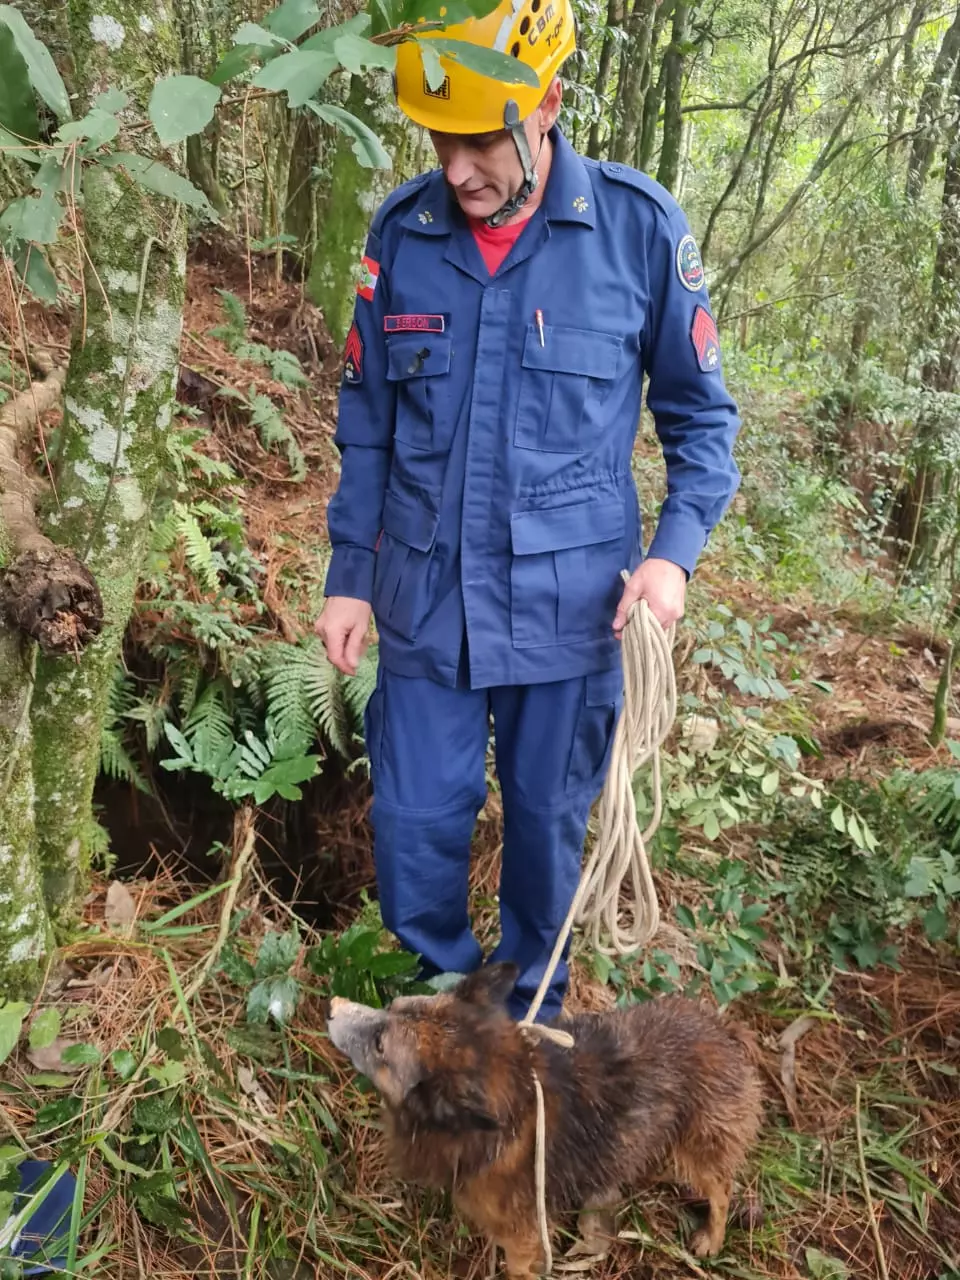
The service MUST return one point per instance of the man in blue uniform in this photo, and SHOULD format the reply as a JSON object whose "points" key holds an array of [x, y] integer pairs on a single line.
{"points": [[510, 303]]}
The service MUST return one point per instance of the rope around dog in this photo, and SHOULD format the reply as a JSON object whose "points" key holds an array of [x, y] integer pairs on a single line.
{"points": [[649, 711]]}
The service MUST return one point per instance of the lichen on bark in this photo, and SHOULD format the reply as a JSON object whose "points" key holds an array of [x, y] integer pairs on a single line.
{"points": [[118, 406], [25, 935]]}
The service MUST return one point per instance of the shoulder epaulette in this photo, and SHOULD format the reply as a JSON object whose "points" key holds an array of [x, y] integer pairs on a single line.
{"points": [[641, 182], [399, 198]]}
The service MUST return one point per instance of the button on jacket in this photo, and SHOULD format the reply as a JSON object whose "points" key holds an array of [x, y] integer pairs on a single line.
{"points": [[486, 424]]}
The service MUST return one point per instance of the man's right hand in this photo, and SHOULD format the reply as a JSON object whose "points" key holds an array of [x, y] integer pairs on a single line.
{"points": [[343, 627]]}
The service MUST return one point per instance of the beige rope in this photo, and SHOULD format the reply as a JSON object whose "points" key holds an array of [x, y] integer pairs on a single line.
{"points": [[649, 710]]}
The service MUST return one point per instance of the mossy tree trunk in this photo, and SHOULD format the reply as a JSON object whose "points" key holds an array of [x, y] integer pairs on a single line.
{"points": [[24, 923], [353, 196], [118, 406]]}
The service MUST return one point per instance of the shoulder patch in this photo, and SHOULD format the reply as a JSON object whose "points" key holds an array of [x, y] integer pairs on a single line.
{"points": [[353, 357], [689, 264], [706, 342], [639, 181], [398, 199]]}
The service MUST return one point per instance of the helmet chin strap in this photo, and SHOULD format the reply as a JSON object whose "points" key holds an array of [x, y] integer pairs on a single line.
{"points": [[528, 164]]}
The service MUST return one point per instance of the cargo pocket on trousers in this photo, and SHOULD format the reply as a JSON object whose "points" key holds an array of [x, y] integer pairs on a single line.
{"points": [[401, 575], [562, 388], [594, 731]]}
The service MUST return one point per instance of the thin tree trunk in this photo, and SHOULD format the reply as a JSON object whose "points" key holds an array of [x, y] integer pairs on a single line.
{"points": [[635, 58], [614, 18], [929, 125], [669, 167], [118, 406], [918, 530]]}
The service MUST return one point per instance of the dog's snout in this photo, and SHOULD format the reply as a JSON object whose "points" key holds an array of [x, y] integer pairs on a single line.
{"points": [[337, 1004]]}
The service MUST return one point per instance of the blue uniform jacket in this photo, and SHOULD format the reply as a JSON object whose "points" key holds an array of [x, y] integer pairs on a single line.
{"points": [[486, 503]]}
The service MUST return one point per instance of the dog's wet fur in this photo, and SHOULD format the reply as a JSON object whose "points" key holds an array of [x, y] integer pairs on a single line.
{"points": [[663, 1091]]}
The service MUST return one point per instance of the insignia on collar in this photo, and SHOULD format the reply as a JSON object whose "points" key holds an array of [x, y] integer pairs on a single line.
{"points": [[425, 217], [706, 341], [581, 205], [689, 265]]}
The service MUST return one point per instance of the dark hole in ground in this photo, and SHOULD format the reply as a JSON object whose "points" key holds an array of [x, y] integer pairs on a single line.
{"points": [[315, 852]]}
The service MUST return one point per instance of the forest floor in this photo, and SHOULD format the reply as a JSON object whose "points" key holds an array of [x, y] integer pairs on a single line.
{"points": [[209, 1142]]}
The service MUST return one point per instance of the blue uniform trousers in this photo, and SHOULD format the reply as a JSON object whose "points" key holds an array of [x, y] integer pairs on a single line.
{"points": [[427, 744]]}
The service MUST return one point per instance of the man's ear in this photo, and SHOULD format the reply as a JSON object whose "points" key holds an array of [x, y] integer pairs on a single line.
{"points": [[448, 1105], [490, 986]]}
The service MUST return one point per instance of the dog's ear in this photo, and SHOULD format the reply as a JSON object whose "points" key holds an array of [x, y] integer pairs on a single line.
{"points": [[489, 986], [449, 1105]]}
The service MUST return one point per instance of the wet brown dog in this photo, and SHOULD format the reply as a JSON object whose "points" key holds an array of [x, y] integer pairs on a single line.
{"points": [[661, 1091]]}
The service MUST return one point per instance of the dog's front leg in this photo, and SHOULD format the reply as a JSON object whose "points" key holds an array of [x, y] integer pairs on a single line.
{"points": [[523, 1255]]}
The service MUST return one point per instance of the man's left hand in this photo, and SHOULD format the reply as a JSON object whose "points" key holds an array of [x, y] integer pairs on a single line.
{"points": [[662, 584]]}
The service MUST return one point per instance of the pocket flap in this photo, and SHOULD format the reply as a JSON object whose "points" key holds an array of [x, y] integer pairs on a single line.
{"points": [[417, 355], [409, 522], [558, 528], [582, 351]]}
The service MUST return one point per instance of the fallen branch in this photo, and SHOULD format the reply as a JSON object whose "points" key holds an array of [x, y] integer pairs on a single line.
{"points": [[45, 591]]}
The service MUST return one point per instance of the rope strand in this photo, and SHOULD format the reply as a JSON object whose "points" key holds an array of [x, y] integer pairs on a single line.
{"points": [[649, 711]]}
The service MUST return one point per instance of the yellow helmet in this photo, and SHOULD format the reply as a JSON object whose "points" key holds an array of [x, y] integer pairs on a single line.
{"points": [[540, 33]]}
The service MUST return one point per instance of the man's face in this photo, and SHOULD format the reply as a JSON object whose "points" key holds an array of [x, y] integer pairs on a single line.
{"points": [[484, 169]]}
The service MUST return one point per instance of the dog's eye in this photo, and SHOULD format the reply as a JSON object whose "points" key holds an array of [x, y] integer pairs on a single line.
{"points": [[378, 1042]]}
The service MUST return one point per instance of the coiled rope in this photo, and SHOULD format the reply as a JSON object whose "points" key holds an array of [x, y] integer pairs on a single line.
{"points": [[620, 850]]}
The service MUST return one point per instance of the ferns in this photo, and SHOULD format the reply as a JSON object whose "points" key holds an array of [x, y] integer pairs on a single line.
{"points": [[259, 740], [115, 759], [936, 801]]}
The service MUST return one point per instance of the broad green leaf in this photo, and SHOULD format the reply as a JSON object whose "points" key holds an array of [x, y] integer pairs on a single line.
{"points": [[49, 1080], [837, 819], [96, 128], [936, 924], [44, 76], [168, 1075], [447, 12], [770, 782], [367, 147], [44, 1029], [32, 218], [391, 963], [277, 953], [299, 75], [273, 998], [18, 107], [919, 881], [486, 62], [685, 918], [156, 177], [432, 66], [181, 106], [111, 100], [234, 63], [81, 1055], [123, 1063], [250, 34], [11, 1021], [357, 54], [51, 177], [292, 18], [35, 272], [853, 829], [711, 826]]}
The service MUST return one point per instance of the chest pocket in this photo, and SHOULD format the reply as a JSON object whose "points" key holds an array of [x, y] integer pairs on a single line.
{"points": [[563, 385], [419, 365]]}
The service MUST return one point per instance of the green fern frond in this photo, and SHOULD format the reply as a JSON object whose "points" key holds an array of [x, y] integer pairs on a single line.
{"points": [[265, 416], [200, 554], [234, 331], [209, 728]]}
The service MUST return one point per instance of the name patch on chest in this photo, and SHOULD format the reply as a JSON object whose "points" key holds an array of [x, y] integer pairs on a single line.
{"points": [[413, 324]]}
